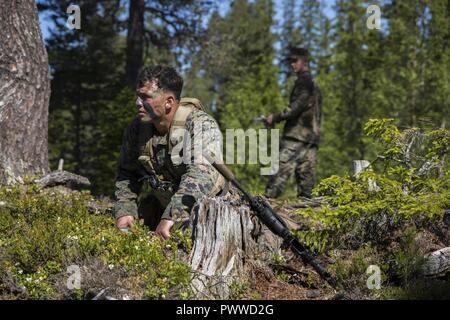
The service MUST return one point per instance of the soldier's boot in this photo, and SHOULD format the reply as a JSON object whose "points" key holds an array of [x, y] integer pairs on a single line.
{"points": [[305, 186], [272, 192]]}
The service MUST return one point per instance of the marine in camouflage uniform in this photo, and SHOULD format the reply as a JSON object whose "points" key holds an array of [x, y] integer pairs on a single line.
{"points": [[301, 134], [145, 150]]}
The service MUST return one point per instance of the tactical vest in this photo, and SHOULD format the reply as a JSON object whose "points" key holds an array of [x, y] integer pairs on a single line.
{"points": [[151, 144]]}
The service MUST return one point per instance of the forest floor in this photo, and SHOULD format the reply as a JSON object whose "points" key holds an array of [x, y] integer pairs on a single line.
{"points": [[290, 287], [293, 280], [108, 257], [290, 279]]}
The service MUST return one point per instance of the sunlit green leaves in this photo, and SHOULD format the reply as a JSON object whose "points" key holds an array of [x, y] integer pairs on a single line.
{"points": [[399, 192], [44, 232]]}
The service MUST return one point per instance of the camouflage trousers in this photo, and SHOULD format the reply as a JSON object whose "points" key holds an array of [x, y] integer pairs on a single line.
{"points": [[295, 157], [152, 204]]}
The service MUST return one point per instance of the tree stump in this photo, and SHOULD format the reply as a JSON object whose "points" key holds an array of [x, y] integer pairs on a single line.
{"points": [[437, 262], [361, 165], [227, 240]]}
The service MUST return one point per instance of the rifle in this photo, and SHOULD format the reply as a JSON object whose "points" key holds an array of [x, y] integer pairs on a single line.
{"points": [[153, 179], [275, 223]]}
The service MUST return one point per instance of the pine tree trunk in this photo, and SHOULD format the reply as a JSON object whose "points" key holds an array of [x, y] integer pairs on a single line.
{"points": [[135, 41], [24, 92]]}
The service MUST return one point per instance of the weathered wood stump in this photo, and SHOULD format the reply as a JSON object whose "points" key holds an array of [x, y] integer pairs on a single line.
{"points": [[227, 240], [63, 178], [437, 263], [361, 165]]}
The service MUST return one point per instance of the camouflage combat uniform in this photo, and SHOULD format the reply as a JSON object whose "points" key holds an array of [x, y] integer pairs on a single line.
{"points": [[191, 181], [300, 138]]}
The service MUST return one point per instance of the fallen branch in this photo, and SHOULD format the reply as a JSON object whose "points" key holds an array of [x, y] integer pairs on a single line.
{"points": [[63, 178], [437, 262]]}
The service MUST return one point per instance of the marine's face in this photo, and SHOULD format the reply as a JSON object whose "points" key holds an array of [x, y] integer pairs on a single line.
{"points": [[155, 98], [297, 65]]}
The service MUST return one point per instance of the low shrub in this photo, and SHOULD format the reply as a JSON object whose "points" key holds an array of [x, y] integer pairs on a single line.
{"points": [[46, 236]]}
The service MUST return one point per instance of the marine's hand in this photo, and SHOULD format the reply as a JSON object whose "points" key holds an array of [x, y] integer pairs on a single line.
{"points": [[163, 228], [125, 222], [269, 120]]}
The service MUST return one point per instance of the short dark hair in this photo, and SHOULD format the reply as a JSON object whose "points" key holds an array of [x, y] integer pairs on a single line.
{"points": [[298, 53], [165, 77]]}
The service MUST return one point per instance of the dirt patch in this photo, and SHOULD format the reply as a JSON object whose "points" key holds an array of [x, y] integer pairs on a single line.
{"points": [[295, 283]]}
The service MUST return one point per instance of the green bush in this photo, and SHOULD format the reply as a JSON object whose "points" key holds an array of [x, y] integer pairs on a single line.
{"points": [[408, 257], [44, 232], [412, 188], [410, 192]]}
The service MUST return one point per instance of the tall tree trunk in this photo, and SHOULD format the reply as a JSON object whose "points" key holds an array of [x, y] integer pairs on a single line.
{"points": [[135, 41], [24, 92]]}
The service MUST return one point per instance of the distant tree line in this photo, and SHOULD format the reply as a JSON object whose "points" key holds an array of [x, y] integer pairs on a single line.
{"points": [[232, 60]]}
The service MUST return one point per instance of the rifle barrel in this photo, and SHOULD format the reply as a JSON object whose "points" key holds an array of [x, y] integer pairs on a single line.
{"points": [[274, 222]]}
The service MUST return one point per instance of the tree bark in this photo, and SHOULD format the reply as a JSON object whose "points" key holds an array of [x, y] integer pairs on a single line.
{"points": [[228, 242], [135, 41], [361, 165], [437, 262], [24, 92]]}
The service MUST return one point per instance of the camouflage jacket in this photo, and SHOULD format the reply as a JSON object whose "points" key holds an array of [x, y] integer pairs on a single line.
{"points": [[192, 178], [304, 111]]}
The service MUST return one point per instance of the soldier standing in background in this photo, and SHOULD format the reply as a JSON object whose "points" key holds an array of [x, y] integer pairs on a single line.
{"points": [[301, 134]]}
